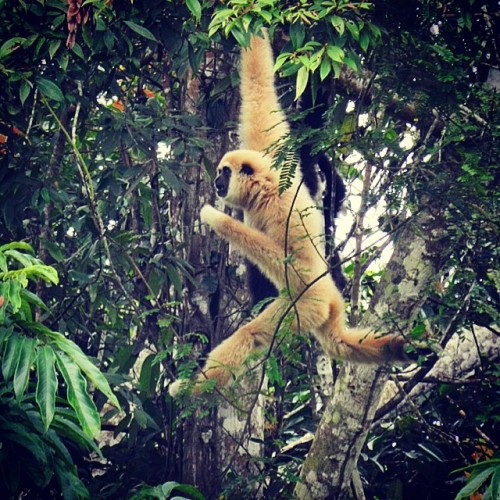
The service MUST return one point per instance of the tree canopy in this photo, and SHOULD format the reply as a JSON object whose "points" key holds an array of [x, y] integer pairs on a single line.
{"points": [[113, 116]]}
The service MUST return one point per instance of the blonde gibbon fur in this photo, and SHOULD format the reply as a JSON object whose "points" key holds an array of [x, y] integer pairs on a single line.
{"points": [[283, 234]]}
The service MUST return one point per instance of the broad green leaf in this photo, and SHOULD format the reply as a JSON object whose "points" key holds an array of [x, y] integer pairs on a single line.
{"points": [[191, 491], [18, 433], [351, 63], [14, 295], [49, 89], [474, 483], [31, 298], [46, 386], [53, 47], [47, 273], [335, 53], [364, 41], [22, 258], [495, 483], [17, 245], [194, 7], [140, 30], [90, 370], [77, 394], [338, 24], [27, 355], [24, 91], [5, 333], [297, 34], [72, 488], [11, 355], [10, 45], [148, 378], [353, 28], [301, 82], [325, 68], [68, 429]]}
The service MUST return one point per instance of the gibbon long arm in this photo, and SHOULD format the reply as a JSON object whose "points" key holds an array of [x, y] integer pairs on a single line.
{"points": [[263, 123]]}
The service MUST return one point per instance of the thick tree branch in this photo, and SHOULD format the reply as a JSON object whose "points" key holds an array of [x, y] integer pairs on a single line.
{"points": [[419, 254]]}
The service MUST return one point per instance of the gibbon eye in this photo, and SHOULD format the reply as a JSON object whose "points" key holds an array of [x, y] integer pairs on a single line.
{"points": [[246, 169], [226, 171]]}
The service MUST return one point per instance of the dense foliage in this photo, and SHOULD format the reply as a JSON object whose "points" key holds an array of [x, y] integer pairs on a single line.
{"points": [[112, 117]]}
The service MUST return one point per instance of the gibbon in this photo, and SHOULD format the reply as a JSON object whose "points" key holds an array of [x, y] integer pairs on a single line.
{"points": [[262, 126], [283, 235]]}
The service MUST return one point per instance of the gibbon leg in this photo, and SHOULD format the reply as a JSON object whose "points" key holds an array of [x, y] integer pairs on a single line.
{"points": [[228, 358]]}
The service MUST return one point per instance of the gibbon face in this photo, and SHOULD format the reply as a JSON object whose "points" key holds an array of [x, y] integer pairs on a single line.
{"points": [[239, 174]]}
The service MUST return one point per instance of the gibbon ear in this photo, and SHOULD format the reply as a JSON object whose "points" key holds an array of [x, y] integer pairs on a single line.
{"points": [[246, 169]]}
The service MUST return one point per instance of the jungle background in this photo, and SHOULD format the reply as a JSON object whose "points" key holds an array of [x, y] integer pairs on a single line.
{"points": [[113, 115]]}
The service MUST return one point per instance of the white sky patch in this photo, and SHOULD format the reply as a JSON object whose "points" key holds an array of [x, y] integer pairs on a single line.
{"points": [[373, 236], [164, 151], [363, 119]]}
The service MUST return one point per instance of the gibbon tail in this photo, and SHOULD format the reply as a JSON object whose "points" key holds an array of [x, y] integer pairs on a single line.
{"points": [[363, 346]]}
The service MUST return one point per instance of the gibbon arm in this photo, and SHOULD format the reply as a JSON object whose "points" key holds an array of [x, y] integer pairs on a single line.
{"points": [[262, 121], [250, 242]]}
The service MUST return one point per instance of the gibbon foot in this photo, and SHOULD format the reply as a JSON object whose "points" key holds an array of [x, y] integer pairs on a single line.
{"points": [[217, 375]]}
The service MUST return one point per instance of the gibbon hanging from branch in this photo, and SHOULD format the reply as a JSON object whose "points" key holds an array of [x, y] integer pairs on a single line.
{"points": [[283, 235]]}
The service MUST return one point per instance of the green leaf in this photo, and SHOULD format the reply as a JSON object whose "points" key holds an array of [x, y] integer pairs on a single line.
{"points": [[194, 7], [364, 41], [14, 295], [325, 68], [24, 91], [495, 483], [140, 30], [335, 53], [18, 433], [90, 370], [27, 354], [68, 429], [72, 486], [297, 34], [353, 28], [17, 245], [47, 273], [53, 47], [22, 258], [10, 45], [5, 333], [351, 63], [46, 386], [301, 82], [474, 483], [11, 355], [148, 378], [49, 89], [338, 24], [77, 394]]}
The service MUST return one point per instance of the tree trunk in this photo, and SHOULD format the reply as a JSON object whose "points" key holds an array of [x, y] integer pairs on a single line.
{"points": [[418, 257]]}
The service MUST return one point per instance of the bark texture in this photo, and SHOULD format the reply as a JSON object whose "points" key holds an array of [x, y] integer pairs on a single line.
{"points": [[419, 252]]}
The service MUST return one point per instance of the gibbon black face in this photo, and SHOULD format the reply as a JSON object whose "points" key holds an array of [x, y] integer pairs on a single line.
{"points": [[225, 175], [222, 181]]}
